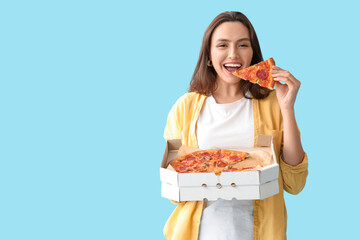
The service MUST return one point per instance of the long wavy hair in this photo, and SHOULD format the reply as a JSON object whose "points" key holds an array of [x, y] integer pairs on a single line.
{"points": [[203, 80]]}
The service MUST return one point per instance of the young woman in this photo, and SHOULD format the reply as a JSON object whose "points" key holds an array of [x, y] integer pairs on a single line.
{"points": [[223, 111]]}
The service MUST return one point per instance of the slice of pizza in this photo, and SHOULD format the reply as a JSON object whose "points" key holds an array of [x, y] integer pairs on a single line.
{"points": [[258, 73], [233, 157]]}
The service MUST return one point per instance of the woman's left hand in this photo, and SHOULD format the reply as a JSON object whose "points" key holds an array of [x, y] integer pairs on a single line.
{"points": [[287, 92]]}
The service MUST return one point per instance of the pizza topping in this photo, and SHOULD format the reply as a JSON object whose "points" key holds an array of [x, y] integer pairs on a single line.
{"points": [[221, 163], [198, 168], [235, 158], [205, 154], [201, 160], [205, 164], [190, 158], [262, 74], [182, 168], [218, 155]]}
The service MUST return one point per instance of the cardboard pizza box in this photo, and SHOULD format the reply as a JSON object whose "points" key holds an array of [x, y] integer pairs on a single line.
{"points": [[242, 192], [248, 185]]}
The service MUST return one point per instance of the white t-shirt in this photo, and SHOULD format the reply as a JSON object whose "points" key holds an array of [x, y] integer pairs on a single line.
{"points": [[226, 126]]}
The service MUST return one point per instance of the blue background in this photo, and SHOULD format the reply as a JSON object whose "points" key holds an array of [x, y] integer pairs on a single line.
{"points": [[84, 84]]}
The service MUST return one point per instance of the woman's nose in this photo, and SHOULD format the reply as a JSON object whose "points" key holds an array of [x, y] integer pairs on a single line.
{"points": [[234, 53]]}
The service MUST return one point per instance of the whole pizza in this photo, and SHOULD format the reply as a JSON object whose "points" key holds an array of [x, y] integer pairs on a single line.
{"points": [[217, 161]]}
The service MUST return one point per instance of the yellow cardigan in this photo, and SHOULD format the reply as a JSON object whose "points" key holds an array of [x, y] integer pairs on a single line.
{"points": [[269, 214]]}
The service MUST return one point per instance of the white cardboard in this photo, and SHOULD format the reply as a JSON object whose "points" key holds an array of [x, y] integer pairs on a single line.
{"points": [[258, 184], [212, 193]]}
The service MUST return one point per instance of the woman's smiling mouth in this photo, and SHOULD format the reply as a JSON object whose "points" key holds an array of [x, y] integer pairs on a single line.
{"points": [[232, 67]]}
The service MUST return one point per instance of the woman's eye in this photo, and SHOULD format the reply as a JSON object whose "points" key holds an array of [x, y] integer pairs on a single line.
{"points": [[243, 45], [222, 45]]}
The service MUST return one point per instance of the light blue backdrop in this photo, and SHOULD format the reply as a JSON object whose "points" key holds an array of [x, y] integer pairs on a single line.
{"points": [[87, 84]]}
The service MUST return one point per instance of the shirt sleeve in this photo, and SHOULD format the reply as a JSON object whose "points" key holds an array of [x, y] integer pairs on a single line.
{"points": [[172, 128], [294, 176]]}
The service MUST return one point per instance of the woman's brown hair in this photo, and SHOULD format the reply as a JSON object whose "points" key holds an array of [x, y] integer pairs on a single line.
{"points": [[204, 78]]}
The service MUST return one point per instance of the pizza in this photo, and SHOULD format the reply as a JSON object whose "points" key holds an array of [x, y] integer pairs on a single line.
{"points": [[258, 73], [217, 161]]}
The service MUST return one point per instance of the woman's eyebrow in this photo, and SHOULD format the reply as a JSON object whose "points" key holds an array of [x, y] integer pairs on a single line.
{"points": [[227, 40]]}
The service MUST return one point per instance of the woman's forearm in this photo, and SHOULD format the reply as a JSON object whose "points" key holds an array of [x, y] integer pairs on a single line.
{"points": [[293, 152]]}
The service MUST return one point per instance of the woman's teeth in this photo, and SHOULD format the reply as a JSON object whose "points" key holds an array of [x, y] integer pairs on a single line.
{"points": [[232, 67]]}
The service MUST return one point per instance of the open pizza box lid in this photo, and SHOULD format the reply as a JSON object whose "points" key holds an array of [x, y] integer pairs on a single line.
{"points": [[258, 184]]}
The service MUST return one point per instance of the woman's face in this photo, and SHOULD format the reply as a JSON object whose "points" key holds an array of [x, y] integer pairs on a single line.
{"points": [[230, 50]]}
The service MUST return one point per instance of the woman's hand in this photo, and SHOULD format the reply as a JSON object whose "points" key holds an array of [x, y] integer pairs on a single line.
{"points": [[287, 92]]}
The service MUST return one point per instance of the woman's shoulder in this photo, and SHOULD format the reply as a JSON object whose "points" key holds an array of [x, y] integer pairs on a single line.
{"points": [[190, 98]]}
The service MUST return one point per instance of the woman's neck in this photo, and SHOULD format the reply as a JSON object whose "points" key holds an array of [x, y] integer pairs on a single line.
{"points": [[226, 93]]}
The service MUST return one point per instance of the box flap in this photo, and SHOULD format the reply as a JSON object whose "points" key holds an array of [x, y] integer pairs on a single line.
{"points": [[174, 144], [264, 140]]}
